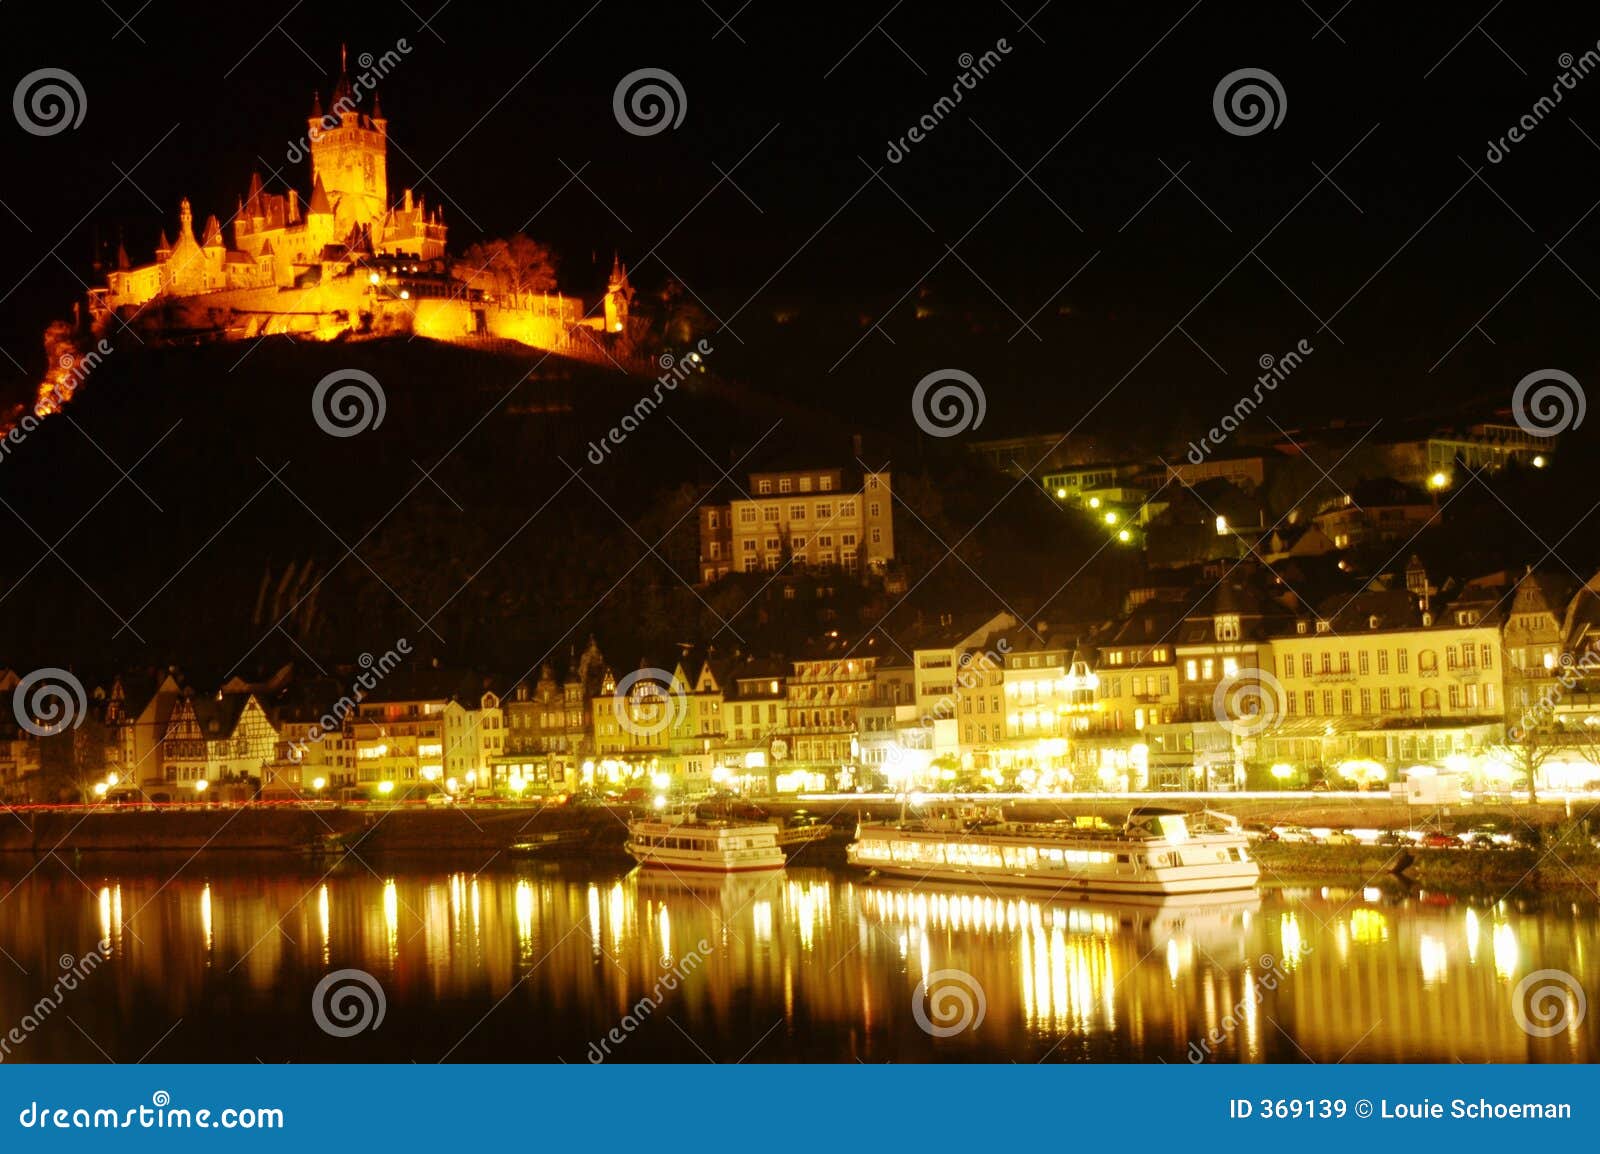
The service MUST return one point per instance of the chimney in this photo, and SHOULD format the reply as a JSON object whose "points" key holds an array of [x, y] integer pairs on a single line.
{"points": [[294, 207], [408, 200]]}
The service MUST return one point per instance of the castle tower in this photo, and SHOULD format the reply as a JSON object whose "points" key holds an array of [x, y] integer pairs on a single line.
{"points": [[349, 155], [619, 295]]}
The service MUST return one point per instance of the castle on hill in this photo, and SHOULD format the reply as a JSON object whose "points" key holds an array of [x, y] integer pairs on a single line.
{"points": [[345, 260]]}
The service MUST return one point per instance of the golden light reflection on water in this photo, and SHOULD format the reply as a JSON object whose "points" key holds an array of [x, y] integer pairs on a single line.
{"points": [[833, 958]]}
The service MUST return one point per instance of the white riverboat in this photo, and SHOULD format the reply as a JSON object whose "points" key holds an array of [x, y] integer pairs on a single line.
{"points": [[1155, 852], [684, 843]]}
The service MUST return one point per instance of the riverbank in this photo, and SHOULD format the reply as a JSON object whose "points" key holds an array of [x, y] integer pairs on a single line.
{"points": [[1574, 867], [589, 831], [597, 833]]}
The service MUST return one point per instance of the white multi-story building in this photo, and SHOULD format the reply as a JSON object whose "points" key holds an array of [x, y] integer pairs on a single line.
{"points": [[804, 519]]}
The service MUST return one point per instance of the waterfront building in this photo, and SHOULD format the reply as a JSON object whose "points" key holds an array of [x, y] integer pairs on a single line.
{"points": [[1381, 682], [549, 731], [211, 740], [754, 709], [474, 736], [397, 733]]}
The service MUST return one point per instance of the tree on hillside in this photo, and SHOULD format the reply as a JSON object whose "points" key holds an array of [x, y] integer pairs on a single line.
{"points": [[514, 269]]}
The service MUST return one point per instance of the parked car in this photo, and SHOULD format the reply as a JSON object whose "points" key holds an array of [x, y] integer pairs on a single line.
{"points": [[1392, 837], [1438, 839], [1487, 837], [1341, 837], [1294, 833]]}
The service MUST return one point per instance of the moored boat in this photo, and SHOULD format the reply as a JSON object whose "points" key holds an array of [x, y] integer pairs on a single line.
{"points": [[685, 843], [1155, 852]]}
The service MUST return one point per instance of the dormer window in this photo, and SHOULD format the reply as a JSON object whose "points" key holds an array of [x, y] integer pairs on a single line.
{"points": [[1300, 627], [1227, 627], [1372, 621], [1324, 627]]}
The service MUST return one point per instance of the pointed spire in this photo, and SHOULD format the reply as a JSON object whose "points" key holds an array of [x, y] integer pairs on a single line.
{"points": [[163, 245], [377, 107], [185, 220], [213, 231], [253, 198], [122, 252], [319, 198], [341, 97], [316, 105]]}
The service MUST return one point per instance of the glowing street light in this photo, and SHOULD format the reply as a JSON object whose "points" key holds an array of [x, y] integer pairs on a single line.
{"points": [[1439, 480], [1110, 517], [386, 787], [1124, 536], [1538, 462], [202, 785], [319, 784]]}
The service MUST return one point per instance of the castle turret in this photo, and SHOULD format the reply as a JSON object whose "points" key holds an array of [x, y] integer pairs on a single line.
{"points": [[254, 208], [163, 247], [212, 234], [185, 222], [319, 198], [619, 296]]}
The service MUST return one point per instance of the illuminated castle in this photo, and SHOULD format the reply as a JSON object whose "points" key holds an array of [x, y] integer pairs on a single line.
{"points": [[277, 242], [344, 260]]}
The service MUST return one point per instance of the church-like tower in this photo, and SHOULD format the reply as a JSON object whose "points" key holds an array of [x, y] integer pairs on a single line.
{"points": [[349, 155]]}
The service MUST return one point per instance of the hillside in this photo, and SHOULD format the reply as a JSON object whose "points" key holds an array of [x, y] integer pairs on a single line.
{"points": [[227, 545]]}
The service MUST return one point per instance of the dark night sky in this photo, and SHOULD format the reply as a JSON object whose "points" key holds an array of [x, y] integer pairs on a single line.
{"points": [[1120, 91]]}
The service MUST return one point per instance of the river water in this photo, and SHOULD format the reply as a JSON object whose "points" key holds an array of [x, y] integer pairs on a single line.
{"points": [[220, 959]]}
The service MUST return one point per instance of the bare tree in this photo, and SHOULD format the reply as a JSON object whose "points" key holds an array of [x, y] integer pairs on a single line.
{"points": [[513, 269]]}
